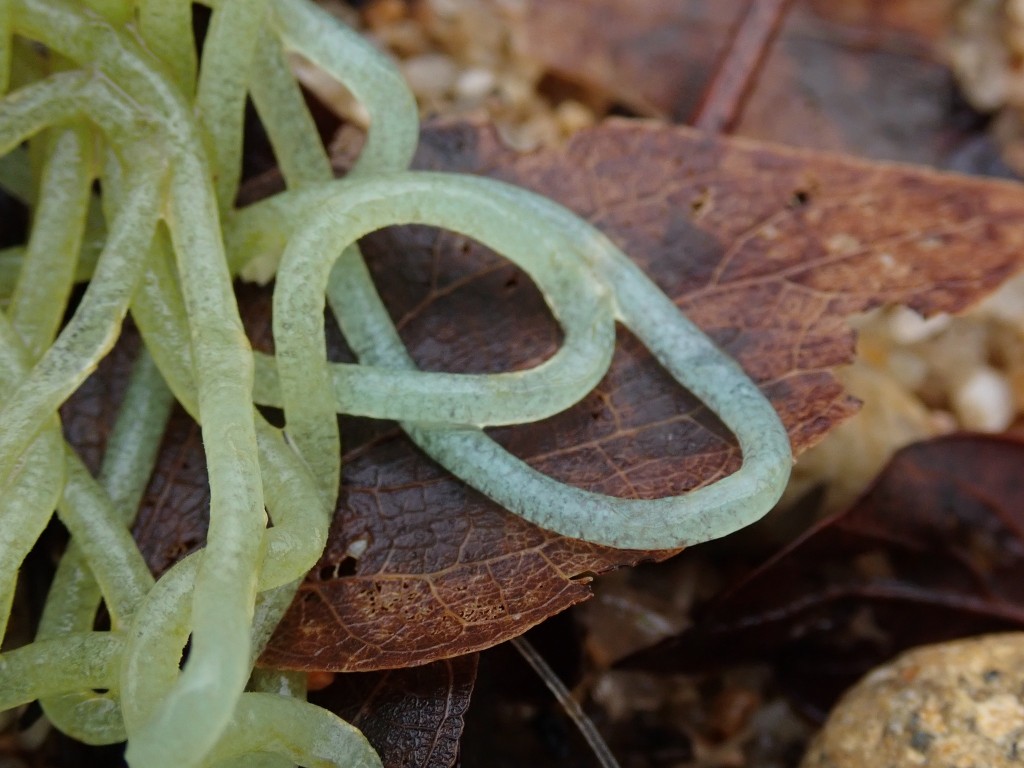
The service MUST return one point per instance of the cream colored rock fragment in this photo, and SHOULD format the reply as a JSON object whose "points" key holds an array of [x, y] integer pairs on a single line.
{"points": [[957, 705]]}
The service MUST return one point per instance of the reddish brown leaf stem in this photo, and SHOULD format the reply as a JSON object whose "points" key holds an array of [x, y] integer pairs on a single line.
{"points": [[722, 103]]}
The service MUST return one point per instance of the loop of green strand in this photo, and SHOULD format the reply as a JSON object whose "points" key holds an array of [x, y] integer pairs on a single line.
{"points": [[361, 206], [692, 359], [376, 84], [471, 399], [296, 730]]}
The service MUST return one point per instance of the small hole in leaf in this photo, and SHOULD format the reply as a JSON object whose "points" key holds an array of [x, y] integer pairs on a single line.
{"points": [[326, 573], [700, 202], [799, 198], [339, 570]]}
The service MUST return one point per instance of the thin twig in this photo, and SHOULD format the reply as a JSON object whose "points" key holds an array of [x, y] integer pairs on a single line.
{"points": [[722, 104], [569, 704]]}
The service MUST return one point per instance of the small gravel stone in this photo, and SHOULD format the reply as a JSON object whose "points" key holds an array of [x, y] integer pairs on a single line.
{"points": [[955, 705]]}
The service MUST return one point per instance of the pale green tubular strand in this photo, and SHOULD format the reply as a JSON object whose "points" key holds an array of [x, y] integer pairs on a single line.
{"points": [[48, 270], [283, 111], [302, 732], [166, 28], [220, 96], [47, 667], [351, 59]]}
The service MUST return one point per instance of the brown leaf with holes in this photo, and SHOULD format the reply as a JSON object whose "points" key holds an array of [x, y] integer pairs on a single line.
{"points": [[934, 550], [412, 717], [768, 249]]}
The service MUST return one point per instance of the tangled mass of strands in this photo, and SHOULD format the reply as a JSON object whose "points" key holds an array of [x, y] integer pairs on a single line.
{"points": [[108, 91]]}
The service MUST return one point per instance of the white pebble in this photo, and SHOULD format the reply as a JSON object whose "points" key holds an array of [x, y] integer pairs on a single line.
{"points": [[908, 327], [984, 401], [430, 74], [474, 84]]}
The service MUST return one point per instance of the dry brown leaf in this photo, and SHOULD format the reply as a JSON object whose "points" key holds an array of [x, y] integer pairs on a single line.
{"points": [[412, 717], [768, 249]]}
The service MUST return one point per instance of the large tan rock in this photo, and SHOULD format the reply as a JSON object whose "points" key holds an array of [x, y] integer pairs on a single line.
{"points": [[952, 705]]}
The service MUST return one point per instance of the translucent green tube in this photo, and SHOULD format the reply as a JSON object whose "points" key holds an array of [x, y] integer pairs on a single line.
{"points": [[166, 27], [48, 667], [220, 96], [372, 79], [362, 206], [26, 505], [284, 114], [92, 330], [48, 270]]}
